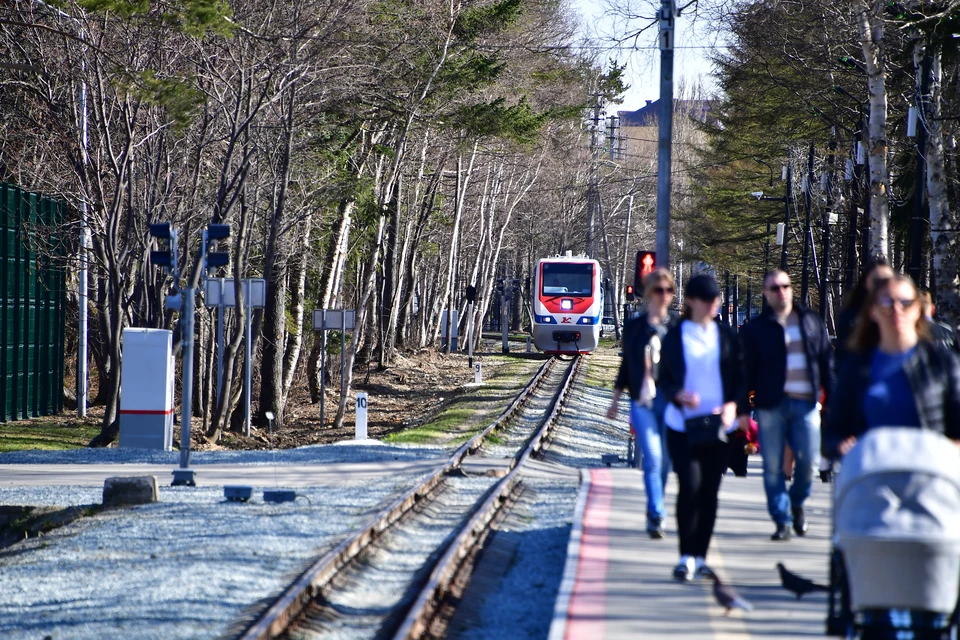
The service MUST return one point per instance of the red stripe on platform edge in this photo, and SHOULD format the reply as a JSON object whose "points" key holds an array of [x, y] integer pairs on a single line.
{"points": [[586, 615], [146, 412]]}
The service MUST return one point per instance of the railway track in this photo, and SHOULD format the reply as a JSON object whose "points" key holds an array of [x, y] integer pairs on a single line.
{"points": [[419, 547]]}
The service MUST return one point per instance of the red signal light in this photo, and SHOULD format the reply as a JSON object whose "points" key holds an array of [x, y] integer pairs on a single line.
{"points": [[630, 294]]}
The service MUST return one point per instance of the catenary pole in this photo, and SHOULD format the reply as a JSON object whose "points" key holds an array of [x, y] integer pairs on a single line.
{"points": [[667, 15]]}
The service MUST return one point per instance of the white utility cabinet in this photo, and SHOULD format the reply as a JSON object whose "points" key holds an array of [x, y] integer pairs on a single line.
{"points": [[146, 389]]}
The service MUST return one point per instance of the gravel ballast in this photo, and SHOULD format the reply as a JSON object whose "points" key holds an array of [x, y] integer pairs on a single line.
{"points": [[184, 567]]}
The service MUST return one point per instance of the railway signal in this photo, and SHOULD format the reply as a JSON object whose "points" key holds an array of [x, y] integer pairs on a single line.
{"points": [[630, 294], [167, 258]]}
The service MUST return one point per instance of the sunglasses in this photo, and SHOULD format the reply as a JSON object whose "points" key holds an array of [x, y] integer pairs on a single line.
{"points": [[777, 286], [662, 290], [887, 303]]}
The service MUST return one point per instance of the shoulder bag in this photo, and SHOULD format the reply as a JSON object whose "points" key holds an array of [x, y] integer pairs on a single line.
{"points": [[705, 430]]}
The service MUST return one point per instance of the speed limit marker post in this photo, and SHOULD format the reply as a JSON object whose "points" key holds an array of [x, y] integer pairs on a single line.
{"points": [[477, 374], [361, 421]]}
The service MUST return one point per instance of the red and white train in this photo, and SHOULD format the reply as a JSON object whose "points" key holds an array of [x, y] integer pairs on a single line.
{"points": [[567, 304]]}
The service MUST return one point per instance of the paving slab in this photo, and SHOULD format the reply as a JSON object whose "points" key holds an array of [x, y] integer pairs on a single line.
{"points": [[618, 581]]}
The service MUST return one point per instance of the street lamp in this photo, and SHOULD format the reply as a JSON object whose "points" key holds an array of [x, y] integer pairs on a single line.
{"points": [[766, 252]]}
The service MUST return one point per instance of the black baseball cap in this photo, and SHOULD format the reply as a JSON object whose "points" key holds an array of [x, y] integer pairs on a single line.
{"points": [[702, 287]]}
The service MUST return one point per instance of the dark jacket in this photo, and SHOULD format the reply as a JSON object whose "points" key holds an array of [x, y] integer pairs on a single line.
{"points": [[765, 356], [846, 322], [943, 334], [934, 376], [633, 367], [673, 367]]}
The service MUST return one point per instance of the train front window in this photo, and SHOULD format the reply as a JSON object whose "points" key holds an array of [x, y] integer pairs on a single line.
{"points": [[566, 279]]}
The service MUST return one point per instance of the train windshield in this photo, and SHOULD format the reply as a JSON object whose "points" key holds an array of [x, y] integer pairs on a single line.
{"points": [[566, 279]]}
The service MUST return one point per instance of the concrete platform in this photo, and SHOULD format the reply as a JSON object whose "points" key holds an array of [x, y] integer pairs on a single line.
{"points": [[618, 583]]}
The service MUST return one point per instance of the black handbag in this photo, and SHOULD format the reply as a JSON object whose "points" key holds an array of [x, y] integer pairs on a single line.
{"points": [[706, 429]]}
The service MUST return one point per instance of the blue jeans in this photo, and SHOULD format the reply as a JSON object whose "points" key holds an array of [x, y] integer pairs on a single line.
{"points": [[653, 454], [797, 423]]}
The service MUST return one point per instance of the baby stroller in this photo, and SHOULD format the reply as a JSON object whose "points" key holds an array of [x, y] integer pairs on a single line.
{"points": [[897, 525]]}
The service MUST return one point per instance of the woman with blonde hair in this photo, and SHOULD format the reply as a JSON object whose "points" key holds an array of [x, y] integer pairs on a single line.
{"points": [[642, 337], [895, 375]]}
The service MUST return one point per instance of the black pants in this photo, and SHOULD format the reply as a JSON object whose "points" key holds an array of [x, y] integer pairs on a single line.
{"points": [[699, 471]]}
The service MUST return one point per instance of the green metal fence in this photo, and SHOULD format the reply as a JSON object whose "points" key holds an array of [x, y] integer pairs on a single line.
{"points": [[32, 302]]}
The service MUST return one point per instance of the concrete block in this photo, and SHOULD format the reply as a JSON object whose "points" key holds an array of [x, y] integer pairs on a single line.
{"points": [[130, 490]]}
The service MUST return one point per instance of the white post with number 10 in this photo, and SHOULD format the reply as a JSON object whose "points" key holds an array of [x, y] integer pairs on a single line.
{"points": [[477, 375], [361, 428]]}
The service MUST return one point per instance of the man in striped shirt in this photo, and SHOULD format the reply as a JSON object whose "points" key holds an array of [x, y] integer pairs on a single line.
{"points": [[788, 359]]}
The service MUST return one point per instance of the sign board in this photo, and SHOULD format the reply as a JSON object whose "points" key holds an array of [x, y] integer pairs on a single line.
{"points": [[477, 373], [254, 290], [781, 232], [334, 320], [360, 430]]}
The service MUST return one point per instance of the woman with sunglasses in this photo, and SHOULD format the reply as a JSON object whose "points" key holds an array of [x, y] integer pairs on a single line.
{"points": [[642, 337], [895, 375]]}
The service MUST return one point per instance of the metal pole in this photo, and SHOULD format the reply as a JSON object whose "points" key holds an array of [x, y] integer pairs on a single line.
{"points": [[220, 342], [247, 365], [736, 301], [667, 13], [919, 189], [786, 216], [82, 373], [470, 335], [184, 475], [825, 290], [323, 363], [343, 351], [749, 314], [725, 312], [807, 233], [504, 323], [766, 252]]}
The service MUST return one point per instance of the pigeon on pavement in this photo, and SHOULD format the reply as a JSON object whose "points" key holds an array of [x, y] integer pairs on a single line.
{"points": [[727, 597], [796, 584]]}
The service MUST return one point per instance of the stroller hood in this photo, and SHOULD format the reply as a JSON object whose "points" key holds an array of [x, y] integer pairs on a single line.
{"points": [[900, 450], [897, 519]]}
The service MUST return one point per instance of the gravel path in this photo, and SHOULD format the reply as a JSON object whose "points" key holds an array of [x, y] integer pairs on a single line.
{"points": [[181, 568]]}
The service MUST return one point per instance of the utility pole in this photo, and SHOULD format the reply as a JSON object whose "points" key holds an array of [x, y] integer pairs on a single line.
{"points": [[917, 217], [613, 130], [667, 15], [825, 290], [786, 215], [595, 144], [807, 231]]}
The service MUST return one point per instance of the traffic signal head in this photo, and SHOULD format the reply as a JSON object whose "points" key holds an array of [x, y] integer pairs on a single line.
{"points": [[218, 231], [630, 294], [161, 230]]}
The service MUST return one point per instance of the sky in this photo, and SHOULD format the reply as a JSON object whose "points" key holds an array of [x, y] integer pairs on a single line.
{"points": [[691, 63]]}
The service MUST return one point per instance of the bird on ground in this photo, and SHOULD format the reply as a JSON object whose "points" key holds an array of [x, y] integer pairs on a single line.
{"points": [[727, 597], [797, 584]]}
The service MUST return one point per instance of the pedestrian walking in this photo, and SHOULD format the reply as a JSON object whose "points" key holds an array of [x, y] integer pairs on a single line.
{"points": [[701, 373], [874, 271], [788, 359], [642, 342], [896, 375]]}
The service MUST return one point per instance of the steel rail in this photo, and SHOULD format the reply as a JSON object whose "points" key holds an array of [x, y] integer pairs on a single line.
{"points": [[276, 618], [473, 533]]}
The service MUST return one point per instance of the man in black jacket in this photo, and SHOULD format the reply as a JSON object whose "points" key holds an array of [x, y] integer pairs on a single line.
{"points": [[788, 359]]}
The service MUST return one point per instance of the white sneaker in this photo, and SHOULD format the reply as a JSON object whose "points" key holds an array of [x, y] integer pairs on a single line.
{"points": [[701, 570], [685, 568]]}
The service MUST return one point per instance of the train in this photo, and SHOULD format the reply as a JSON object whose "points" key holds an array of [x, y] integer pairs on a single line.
{"points": [[567, 304]]}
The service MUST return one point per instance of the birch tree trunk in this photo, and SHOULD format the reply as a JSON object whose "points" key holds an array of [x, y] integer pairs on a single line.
{"points": [[871, 40], [943, 228]]}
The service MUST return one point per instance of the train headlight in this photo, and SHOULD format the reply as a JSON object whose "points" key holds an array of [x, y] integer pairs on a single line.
{"points": [[566, 305]]}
